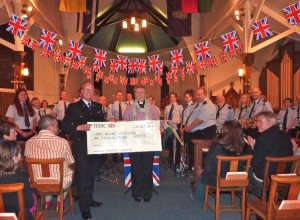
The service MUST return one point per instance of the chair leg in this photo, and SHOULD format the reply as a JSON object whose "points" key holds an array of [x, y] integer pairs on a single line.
{"points": [[248, 213], [217, 203], [61, 208], [71, 200], [243, 203], [232, 198], [206, 197]]}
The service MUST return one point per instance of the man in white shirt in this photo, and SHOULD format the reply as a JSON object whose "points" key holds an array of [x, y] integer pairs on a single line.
{"points": [[118, 107], [60, 107], [129, 99]]}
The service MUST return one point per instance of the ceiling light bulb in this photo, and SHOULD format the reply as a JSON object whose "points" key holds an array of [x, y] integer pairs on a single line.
{"points": [[144, 23], [136, 25], [136, 29], [29, 8], [237, 17], [236, 12], [124, 25], [132, 20], [60, 41], [24, 16]]}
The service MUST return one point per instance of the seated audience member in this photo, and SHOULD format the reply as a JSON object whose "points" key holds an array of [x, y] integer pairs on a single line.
{"points": [[10, 153], [271, 142], [8, 131], [231, 144], [287, 116], [45, 109], [47, 145]]}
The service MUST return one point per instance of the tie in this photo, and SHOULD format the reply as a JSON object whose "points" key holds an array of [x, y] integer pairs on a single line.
{"points": [[89, 106], [252, 109], [104, 112], [65, 106], [218, 112], [120, 111], [187, 120], [45, 111], [171, 112], [27, 122], [242, 109], [129, 103], [284, 124]]}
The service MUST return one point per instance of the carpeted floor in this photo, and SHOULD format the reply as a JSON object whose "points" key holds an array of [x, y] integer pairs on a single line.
{"points": [[172, 202]]}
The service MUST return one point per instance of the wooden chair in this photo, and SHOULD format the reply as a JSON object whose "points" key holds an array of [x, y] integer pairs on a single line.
{"points": [[284, 165], [49, 187], [232, 185], [297, 139], [17, 188], [270, 210], [200, 146]]}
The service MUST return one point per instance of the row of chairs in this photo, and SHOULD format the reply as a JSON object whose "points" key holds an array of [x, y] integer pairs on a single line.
{"points": [[44, 187], [266, 209]]}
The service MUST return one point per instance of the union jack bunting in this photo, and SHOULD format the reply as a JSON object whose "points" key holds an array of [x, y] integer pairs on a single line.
{"points": [[174, 70], [75, 50], [47, 40], [45, 53], [81, 62], [56, 56], [26, 40], [261, 29], [202, 50], [16, 25], [169, 81], [144, 82], [175, 79], [67, 60], [230, 41], [113, 67], [292, 13], [99, 59], [181, 71], [169, 75], [153, 62], [88, 72], [106, 80], [159, 69], [98, 76], [233, 54], [182, 77], [146, 79], [202, 65], [223, 56], [122, 62], [123, 80], [157, 78], [127, 170], [115, 80], [74, 65], [141, 66], [151, 82], [189, 66], [33, 45], [176, 57], [111, 77], [131, 66], [213, 61], [134, 81], [182, 164], [241, 47]]}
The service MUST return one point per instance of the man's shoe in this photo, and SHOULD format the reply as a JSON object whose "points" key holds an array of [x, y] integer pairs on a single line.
{"points": [[86, 215], [146, 200], [96, 204], [138, 199], [48, 205]]}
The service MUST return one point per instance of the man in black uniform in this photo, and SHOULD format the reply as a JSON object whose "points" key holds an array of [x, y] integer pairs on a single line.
{"points": [[75, 123]]}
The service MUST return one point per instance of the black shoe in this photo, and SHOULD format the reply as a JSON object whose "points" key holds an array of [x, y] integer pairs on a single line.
{"points": [[86, 215], [146, 200], [138, 199], [96, 204]]}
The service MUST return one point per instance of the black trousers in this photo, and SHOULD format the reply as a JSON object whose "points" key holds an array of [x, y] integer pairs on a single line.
{"points": [[86, 168], [141, 174], [205, 134], [187, 137]]}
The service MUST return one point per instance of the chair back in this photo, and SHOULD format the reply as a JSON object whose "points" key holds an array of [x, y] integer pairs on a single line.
{"points": [[10, 188], [43, 183], [235, 165], [273, 207], [283, 165]]}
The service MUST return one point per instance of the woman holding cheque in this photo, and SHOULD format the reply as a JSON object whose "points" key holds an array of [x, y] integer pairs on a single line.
{"points": [[141, 162]]}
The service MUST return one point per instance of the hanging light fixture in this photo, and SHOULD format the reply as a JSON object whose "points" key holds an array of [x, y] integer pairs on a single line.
{"points": [[134, 24]]}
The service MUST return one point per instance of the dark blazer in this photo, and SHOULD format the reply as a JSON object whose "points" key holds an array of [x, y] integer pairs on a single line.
{"points": [[76, 114]]}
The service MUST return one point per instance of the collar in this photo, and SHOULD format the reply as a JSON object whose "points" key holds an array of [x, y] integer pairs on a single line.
{"points": [[46, 132], [190, 103], [86, 102]]}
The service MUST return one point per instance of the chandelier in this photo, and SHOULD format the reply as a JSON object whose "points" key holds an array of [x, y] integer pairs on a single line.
{"points": [[134, 24]]}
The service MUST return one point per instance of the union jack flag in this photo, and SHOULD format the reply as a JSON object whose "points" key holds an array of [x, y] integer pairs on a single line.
{"points": [[127, 170], [230, 41], [99, 59], [202, 50], [202, 65], [261, 29], [175, 79], [151, 82], [182, 164], [115, 80], [159, 69], [122, 62], [75, 50], [182, 77], [141, 66], [67, 60], [123, 80], [169, 75], [47, 40], [56, 56], [174, 70], [159, 81], [81, 62], [106, 80], [16, 25], [74, 65], [113, 67], [292, 13], [223, 56], [33, 45], [213, 61], [131, 66], [88, 72], [134, 81], [233, 54], [176, 57], [98, 76], [45, 53], [189, 66], [153, 62], [26, 40]]}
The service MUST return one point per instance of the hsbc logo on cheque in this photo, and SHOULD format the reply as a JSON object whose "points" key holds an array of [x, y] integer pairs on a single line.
{"points": [[111, 125]]}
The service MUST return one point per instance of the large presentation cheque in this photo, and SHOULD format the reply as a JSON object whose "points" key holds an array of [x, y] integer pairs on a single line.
{"points": [[121, 137]]}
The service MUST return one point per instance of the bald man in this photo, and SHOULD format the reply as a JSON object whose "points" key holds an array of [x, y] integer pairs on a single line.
{"points": [[258, 104], [224, 112]]}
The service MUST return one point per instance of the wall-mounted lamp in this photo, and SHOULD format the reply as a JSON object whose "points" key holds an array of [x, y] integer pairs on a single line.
{"points": [[24, 70], [26, 11], [241, 74]]}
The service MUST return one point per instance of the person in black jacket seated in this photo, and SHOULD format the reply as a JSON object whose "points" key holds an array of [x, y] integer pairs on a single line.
{"points": [[10, 154], [271, 142], [231, 144]]}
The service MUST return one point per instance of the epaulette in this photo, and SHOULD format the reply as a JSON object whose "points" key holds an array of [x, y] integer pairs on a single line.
{"points": [[205, 102], [229, 107]]}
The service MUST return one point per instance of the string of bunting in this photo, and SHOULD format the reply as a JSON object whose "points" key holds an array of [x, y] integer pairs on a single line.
{"points": [[178, 69]]}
